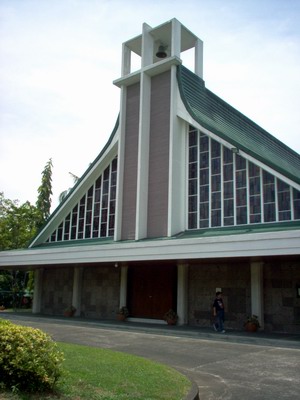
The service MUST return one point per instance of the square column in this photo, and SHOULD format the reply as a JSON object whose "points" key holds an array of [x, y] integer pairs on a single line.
{"points": [[257, 307], [123, 286], [77, 290], [38, 288], [182, 293]]}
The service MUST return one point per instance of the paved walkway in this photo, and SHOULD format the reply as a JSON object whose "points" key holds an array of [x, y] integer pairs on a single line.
{"points": [[230, 366]]}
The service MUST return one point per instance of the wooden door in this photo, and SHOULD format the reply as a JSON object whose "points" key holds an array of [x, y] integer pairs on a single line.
{"points": [[151, 290]]}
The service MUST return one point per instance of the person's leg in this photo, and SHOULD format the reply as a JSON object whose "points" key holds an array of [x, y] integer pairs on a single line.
{"points": [[221, 321]]}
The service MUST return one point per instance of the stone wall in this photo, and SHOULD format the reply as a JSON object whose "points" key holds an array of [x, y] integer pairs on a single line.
{"points": [[282, 306], [234, 280], [57, 288], [100, 292]]}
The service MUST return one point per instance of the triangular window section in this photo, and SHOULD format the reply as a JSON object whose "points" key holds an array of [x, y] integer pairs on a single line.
{"points": [[225, 189], [94, 215]]}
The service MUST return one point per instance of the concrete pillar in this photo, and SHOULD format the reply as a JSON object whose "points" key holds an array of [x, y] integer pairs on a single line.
{"points": [[38, 288], [182, 293], [257, 305], [77, 289], [123, 286], [199, 58], [126, 61]]}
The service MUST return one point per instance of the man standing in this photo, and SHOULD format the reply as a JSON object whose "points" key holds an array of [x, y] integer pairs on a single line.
{"points": [[218, 311]]}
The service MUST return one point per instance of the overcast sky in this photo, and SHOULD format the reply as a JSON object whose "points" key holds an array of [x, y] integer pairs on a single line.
{"points": [[58, 59]]}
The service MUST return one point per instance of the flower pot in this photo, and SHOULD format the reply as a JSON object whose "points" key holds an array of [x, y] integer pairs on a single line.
{"points": [[121, 317], [250, 327], [171, 321], [69, 313]]}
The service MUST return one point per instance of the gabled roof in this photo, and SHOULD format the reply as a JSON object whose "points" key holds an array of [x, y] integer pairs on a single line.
{"points": [[229, 124]]}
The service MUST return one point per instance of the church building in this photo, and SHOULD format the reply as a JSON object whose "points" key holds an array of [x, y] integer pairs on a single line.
{"points": [[188, 197]]}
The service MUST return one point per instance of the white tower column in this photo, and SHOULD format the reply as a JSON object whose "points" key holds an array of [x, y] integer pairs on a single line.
{"points": [[38, 288], [257, 307], [182, 293], [199, 58]]}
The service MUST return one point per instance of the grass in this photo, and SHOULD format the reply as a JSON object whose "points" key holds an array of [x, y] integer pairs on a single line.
{"points": [[95, 373]]}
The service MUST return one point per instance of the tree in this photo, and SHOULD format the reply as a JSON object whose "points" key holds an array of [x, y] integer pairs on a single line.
{"points": [[17, 228], [18, 223], [43, 203]]}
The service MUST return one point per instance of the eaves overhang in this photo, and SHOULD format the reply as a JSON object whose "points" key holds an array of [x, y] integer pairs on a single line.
{"points": [[229, 246]]}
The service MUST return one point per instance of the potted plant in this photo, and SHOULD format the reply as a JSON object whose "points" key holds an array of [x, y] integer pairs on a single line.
{"points": [[122, 313], [252, 323], [69, 311], [171, 317]]}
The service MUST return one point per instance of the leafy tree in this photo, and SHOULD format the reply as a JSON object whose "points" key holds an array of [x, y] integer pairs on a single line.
{"points": [[18, 223], [43, 203], [17, 228]]}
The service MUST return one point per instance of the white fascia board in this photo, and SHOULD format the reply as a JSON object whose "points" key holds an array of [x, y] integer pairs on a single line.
{"points": [[245, 245]]}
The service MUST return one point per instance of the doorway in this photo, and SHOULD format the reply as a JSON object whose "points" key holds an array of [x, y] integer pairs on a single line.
{"points": [[152, 290]]}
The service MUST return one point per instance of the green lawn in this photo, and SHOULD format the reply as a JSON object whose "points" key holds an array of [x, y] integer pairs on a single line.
{"points": [[95, 373]]}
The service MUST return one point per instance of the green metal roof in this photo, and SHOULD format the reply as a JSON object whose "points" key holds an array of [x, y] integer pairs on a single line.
{"points": [[229, 124]]}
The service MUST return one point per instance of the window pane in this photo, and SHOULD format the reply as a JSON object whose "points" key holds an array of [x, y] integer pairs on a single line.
{"points": [[269, 193], [216, 200], [204, 143], [192, 203], [216, 183], [193, 154], [193, 170], [215, 149], [228, 172], [204, 210], [203, 160], [228, 208], [253, 169], [216, 218], [204, 193], [193, 138], [227, 155], [269, 212], [254, 184], [241, 197], [240, 177], [192, 187], [228, 190], [204, 177], [241, 215], [192, 222], [215, 166], [240, 162]]}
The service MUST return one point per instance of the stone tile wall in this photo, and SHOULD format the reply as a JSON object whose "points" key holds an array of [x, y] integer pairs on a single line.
{"points": [[233, 278], [100, 292], [282, 306], [57, 288]]}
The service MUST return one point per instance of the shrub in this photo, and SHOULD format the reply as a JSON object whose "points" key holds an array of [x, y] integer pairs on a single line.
{"points": [[29, 359]]}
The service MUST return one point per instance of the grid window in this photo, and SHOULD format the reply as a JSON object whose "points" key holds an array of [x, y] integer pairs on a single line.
{"points": [[94, 215], [225, 189]]}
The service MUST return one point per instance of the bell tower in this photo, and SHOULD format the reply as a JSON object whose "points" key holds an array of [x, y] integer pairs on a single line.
{"points": [[150, 196]]}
